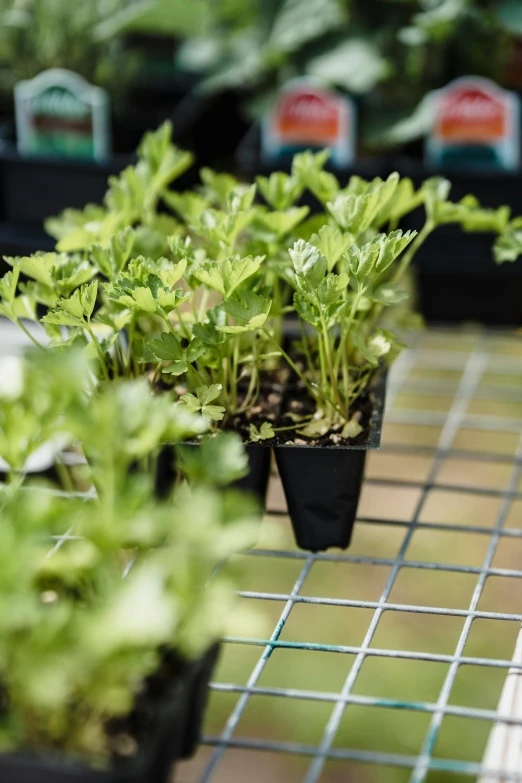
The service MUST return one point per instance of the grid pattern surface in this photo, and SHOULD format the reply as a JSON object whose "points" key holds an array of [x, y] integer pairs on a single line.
{"points": [[446, 487]]}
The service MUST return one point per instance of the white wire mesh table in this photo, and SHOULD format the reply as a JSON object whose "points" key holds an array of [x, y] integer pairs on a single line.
{"points": [[447, 488]]}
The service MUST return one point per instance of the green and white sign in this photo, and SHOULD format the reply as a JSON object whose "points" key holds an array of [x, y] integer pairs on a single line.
{"points": [[59, 114]]}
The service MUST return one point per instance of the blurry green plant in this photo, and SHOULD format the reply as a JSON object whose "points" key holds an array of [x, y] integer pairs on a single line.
{"points": [[39, 34], [78, 641], [390, 53], [194, 298]]}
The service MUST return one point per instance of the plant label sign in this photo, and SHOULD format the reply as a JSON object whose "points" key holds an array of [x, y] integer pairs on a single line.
{"points": [[475, 123], [306, 116], [59, 114]]}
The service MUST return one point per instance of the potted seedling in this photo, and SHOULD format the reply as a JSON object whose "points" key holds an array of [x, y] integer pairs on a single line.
{"points": [[109, 632], [206, 301]]}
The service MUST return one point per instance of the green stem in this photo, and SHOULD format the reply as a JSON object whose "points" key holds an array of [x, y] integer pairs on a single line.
{"points": [[329, 362], [314, 390], [29, 335], [64, 474], [99, 351]]}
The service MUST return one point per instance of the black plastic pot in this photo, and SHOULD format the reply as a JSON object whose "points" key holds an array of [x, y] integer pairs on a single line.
{"points": [[457, 277], [174, 734], [32, 189], [196, 698], [255, 481], [322, 484]]}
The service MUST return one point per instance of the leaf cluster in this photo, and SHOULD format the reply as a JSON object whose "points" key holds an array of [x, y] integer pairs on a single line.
{"points": [[190, 289]]}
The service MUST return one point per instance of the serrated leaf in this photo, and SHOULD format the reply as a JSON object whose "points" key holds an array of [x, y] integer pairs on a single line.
{"points": [[331, 288], [226, 275], [332, 243], [251, 313], [265, 432], [144, 300], [9, 283], [38, 267], [166, 348], [88, 294], [308, 262], [280, 190], [307, 312], [208, 393], [60, 318]]}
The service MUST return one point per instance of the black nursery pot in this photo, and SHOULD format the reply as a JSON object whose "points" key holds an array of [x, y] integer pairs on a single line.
{"points": [[174, 734], [322, 484], [255, 481], [457, 278]]}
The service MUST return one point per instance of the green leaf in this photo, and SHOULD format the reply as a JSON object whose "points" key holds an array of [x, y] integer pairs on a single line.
{"points": [[217, 461], [166, 348], [194, 350], [352, 428], [508, 246], [112, 259], [316, 428], [435, 192], [332, 243], [189, 205], [405, 199], [226, 275], [389, 294], [8, 285], [308, 262], [471, 216], [280, 190], [88, 294], [39, 267], [61, 318], [331, 288], [240, 199], [307, 169], [307, 312], [372, 348], [217, 185], [282, 223], [265, 432], [250, 312], [144, 300], [200, 402]]}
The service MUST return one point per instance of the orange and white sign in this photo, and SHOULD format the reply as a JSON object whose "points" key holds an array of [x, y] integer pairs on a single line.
{"points": [[475, 123], [307, 116]]}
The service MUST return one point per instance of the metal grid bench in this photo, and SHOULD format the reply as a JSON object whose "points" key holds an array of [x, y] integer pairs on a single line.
{"points": [[454, 415]]}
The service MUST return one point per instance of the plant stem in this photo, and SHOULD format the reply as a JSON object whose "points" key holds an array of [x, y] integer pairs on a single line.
{"points": [[314, 390], [329, 362], [99, 351], [29, 335]]}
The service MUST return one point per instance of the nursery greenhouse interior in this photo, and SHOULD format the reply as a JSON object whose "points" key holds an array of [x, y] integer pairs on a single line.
{"points": [[260, 391]]}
